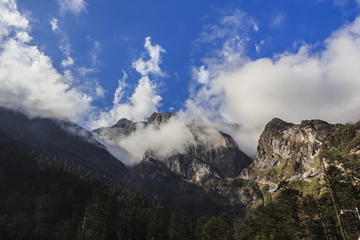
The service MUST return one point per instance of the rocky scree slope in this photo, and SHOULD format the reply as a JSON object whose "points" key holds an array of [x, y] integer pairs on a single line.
{"points": [[289, 151]]}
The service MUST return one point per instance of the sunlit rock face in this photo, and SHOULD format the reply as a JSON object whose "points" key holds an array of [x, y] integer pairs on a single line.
{"points": [[290, 150], [281, 140]]}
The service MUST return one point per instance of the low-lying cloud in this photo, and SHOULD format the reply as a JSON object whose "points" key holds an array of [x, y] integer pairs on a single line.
{"points": [[168, 139], [308, 84]]}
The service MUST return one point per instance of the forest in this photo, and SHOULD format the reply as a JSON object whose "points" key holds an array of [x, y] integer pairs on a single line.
{"points": [[46, 199]]}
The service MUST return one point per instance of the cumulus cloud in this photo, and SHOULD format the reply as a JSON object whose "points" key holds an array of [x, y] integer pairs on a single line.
{"points": [[54, 25], [201, 74], [38, 86], [23, 37], [145, 99], [150, 66], [141, 104], [307, 84], [67, 62], [74, 6]]}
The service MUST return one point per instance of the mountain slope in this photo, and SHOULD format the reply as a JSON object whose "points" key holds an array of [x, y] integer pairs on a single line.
{"points": [[59, 139], [208, 154], [195, 178]]}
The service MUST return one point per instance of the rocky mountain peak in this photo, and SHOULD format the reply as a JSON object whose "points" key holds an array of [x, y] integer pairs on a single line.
{"points": [[160, 118], [124, 126], [289, 150], [123, 123], [276, 125]]}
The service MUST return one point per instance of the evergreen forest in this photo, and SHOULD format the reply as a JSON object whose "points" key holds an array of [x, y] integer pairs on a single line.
{"points": [[46, 199]]}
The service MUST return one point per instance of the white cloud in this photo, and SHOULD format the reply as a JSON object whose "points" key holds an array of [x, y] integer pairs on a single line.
{"points": [[168, 139], [54, 25], [141, 104], [67, 62], [83, 71], [150, 66], [38, 86], [256, 28], [304, 85], [10, 18], [66, 49], [120, 90], [258, 46], [23, 37], [202, 75], [74, 6]]}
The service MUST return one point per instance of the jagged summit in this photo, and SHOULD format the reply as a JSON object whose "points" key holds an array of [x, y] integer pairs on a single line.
{"points": [[160, 118], [289, 151], [277, 124], [123, 122]]}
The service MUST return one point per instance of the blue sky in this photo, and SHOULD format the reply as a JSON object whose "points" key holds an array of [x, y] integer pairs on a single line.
{"points": [[229, 61]]}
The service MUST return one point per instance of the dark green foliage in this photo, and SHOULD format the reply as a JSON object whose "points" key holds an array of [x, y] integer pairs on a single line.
{"points": [[46, 199]]}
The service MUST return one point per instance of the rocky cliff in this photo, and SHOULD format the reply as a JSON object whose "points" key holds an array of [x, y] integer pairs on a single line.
{"points": [[289, 151], [203, 159]]}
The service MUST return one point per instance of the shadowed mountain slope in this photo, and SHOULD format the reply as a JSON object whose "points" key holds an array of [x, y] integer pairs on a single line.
{"points": [[59, 139]]}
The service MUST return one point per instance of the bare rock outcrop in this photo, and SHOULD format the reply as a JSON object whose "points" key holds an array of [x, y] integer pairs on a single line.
{"points": [[290, 150]]}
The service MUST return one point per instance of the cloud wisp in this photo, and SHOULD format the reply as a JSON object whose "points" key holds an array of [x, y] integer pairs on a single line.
{"points": [[73, 6]]}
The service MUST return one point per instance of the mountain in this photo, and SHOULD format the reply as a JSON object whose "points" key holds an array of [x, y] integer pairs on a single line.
{"points": [[60, 139], [185, 179], [208, 155], [300, 152]]}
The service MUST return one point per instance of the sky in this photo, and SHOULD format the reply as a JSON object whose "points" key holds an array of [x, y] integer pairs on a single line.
{"points": [[97, 61]]}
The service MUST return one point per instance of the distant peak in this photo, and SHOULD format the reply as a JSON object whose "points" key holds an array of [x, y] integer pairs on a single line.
{"points": [[159, 118]]}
